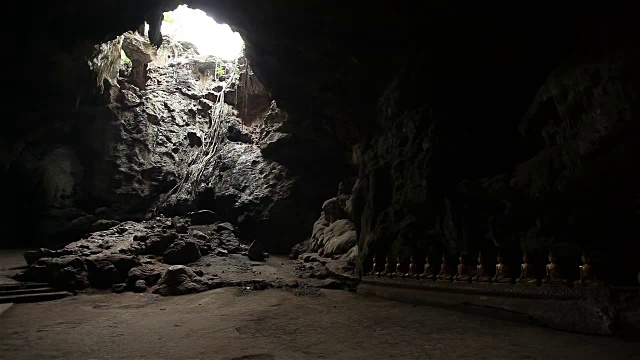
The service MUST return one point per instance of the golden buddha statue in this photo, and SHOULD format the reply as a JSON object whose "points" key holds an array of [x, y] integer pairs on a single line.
{"points": [[554, 275], [428, 270], [527, 273], [413, 272], [463, 272], [445, 272], [375, 267], [399, 272], [387, 268], [587, 276], [502, 272], [481, 276]]}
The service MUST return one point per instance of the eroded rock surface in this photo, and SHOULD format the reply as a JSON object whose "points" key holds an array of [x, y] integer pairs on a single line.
{"points": [[161, 139]]}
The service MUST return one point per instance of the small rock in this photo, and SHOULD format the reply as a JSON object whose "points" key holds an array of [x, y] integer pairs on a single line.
{"points": [[222, 252], [119, 288], [140, 286], [199, 235]]}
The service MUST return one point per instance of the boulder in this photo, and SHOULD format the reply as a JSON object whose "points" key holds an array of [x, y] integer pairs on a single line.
{"points": [[158, 243], [182, 252], [67, 272], [180, 280], [140, 286], [256, 252], [119, 288], [148, 274], [299, 249]]}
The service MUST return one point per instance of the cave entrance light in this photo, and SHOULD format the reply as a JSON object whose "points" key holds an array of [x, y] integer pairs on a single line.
{"points": [[211, 38]]}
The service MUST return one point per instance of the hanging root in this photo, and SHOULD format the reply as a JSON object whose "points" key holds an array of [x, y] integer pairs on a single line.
{"points": [[205, 155]]}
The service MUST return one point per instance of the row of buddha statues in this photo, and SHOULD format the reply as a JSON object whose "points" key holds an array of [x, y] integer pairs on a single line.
{"points": [[552, 277]]}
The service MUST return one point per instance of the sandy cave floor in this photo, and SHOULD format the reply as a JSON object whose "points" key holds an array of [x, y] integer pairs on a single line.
{"points": [[232, 323]]}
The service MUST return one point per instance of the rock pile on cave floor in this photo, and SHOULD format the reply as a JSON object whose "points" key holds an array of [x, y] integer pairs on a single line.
{"points": [[169, 256]]}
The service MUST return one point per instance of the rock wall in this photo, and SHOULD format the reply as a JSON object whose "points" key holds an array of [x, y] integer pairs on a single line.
{"points": [[127, 151], [572, 191]]}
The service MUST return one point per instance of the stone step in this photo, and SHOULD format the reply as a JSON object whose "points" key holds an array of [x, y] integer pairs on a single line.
{"points": [[42, 290], [22, 285], [26, 298]]}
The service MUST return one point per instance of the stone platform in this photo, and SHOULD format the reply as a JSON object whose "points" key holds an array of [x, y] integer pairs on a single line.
{"points": [[590, 310], [498, 289]]}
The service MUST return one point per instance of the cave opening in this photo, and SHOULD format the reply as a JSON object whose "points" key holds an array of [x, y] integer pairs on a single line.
{"points": [[209, 37]]}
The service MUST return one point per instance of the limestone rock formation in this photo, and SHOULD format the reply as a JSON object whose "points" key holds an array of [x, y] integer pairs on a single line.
{"points": [[180, 280], [333, 234]]}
